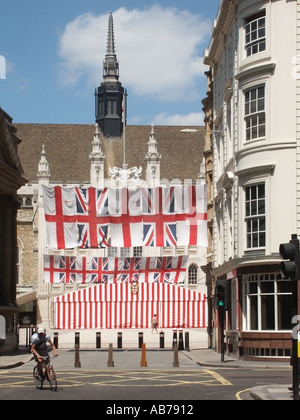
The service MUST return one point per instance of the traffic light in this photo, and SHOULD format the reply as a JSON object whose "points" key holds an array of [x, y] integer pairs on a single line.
{"points": [[221, 294], [290, 251]]}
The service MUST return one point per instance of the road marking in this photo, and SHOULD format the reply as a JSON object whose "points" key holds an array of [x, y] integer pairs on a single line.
{"points": [[238, 395], [220, 378], [126, 379]]}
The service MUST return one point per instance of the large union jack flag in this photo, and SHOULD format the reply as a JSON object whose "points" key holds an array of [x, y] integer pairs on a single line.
{"points": [[159, 217], [61, 269], [92, 217]]}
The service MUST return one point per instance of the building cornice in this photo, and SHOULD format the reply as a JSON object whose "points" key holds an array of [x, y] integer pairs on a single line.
{"points": [[264, 169], [240, 263], [263, 147], [253, 71], [226, 13]]}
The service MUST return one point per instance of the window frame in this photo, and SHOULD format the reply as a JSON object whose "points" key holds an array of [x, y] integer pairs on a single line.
{"points": [[255, 41], [193, 276], [255, 118], [257, 218], [262, 305]]}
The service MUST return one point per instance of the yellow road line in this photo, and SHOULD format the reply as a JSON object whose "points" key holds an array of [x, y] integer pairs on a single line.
{"points": [[160, 378], [220, 378], [238, 395]]}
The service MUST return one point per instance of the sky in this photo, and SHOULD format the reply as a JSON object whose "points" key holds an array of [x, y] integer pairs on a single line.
{"points": [[52, 53]]}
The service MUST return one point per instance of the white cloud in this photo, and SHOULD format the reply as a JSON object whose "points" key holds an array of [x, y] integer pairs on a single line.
{"points": [[193, 119], [159, 49]]}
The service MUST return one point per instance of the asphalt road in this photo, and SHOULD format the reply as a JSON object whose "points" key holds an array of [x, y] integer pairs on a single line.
{"points": [[142, 387]]}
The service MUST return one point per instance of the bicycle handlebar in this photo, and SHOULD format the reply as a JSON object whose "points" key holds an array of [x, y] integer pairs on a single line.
{"points": [[45, 358]]}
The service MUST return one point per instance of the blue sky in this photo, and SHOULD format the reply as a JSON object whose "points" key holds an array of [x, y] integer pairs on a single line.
{"points": [[54, 51]]}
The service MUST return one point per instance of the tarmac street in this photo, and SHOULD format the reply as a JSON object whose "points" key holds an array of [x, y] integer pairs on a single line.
{"points": [[162, 359]]}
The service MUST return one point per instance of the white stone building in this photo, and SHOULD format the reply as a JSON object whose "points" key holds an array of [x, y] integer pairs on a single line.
{"points": [[253, 56]]}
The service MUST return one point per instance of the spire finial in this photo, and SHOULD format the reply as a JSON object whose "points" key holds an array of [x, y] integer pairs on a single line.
{"points": [[43, 171], [111, 64], [152, 159], [111, 36]]}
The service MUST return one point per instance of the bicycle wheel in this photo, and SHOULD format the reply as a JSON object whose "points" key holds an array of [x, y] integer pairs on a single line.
{"points": [[37, 378], [51, 378]]}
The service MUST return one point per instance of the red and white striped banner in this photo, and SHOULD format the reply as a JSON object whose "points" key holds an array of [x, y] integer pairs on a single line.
{"points": [[123, 306]]}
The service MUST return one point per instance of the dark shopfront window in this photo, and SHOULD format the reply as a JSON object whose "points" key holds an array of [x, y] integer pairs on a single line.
{"points": [[269, 302]]}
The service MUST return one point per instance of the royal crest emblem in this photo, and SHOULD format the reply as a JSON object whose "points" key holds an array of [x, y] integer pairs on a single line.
{"points": [[134, 288]]}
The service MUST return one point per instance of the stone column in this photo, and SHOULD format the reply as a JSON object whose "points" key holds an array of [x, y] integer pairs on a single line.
{"points": [[8, 268], [8, 250]]}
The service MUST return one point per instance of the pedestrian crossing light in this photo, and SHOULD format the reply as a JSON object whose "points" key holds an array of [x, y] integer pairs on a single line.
{"points": [[290, 252]]}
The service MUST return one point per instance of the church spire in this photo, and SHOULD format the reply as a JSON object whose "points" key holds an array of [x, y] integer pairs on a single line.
{"points": [[111, 64], [109, 95], [111, 36]]}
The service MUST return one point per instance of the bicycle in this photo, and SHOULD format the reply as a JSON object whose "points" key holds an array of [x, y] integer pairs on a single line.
{"points": [[47, 373]]}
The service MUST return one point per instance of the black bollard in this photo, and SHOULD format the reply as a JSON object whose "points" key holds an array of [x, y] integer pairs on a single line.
{"points": [[187, 341], [55, 339], [98, 340], [176, 358], [77, 363], [141, 340], [110, 362], [174, 338], [180, 345], [162, 340], [119, 340], [77, 339]]}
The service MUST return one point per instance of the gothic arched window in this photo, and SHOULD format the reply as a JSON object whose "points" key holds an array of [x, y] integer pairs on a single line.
{"points": [[193, 275]]}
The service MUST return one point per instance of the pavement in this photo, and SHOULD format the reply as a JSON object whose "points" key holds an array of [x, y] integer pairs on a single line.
{"points": [[157, 358]]}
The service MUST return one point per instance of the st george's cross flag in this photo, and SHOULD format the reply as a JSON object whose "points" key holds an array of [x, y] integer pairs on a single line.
{"points": [[125, 217], [92, 217], [191, 215], [60, 216], [157, 217]]}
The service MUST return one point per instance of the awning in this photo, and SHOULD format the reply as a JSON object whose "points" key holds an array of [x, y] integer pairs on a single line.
{"points": [[121, 306], [26, 298]]}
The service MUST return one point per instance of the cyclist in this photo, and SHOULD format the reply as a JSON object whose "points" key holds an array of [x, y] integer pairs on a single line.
{"points": [[39, 342]]}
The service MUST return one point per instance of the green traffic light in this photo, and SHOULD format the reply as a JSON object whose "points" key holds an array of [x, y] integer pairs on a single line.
{"points": [[221, 303]]}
